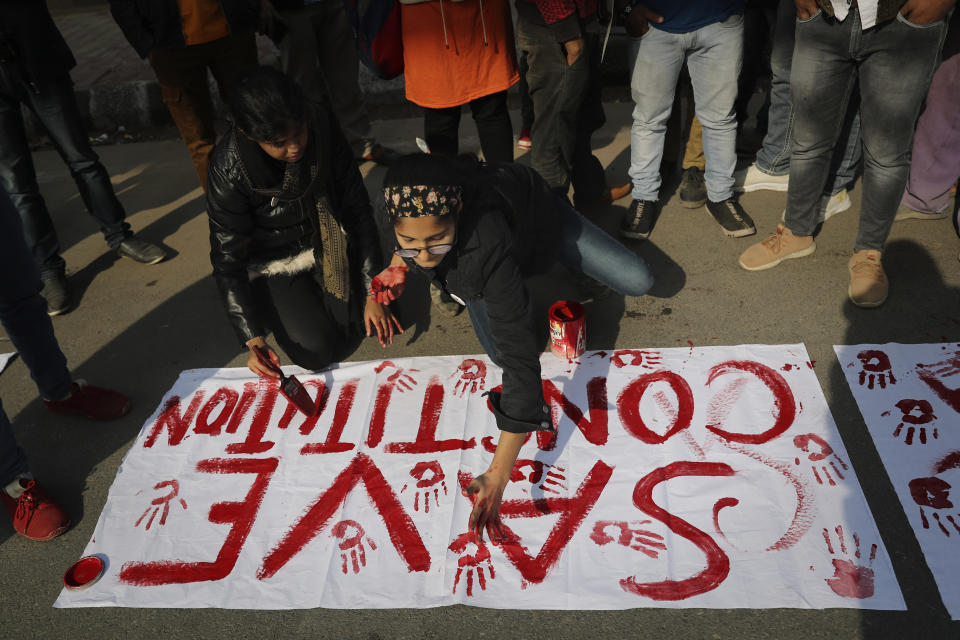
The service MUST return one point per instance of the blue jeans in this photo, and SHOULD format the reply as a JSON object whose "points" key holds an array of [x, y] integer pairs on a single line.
{"points": [[892, 64], [23, 313], [774, 157], [584, 247], [54, 104], [713, 55]]}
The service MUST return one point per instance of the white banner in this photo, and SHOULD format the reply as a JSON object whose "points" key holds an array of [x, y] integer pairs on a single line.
{"points": [[5, 359], [701, 477], [909, 396]]}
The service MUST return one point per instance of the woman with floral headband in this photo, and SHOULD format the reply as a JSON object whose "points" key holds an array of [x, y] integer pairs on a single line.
{"points": [[478, 231], [293, 242]]}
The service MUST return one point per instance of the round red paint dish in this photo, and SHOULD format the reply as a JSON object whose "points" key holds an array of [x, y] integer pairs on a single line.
{"points": [[84, 573]]}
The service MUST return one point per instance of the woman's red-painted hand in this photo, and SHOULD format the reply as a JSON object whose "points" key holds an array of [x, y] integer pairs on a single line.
{"points": [[487, 492], [378, 318], [388, 285]]}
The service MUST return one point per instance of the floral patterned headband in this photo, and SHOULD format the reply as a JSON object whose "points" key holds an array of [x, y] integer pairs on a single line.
{"points": [[413, 201]]}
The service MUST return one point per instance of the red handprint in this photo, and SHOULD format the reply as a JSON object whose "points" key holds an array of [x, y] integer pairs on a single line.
{"points": [[388, 285], [472, 563], [849, 580], [643, 359], [632, 537], [427, 475], [472, 377], [820, 454], [925, 411], [552, 477], [353, 543], [934, 493], [163, 501], [875, 368], [935, 374], [401, 379]]}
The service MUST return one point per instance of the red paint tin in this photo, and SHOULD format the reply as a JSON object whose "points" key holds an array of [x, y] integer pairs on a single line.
{"points": [[567, 329], [84, 573]]}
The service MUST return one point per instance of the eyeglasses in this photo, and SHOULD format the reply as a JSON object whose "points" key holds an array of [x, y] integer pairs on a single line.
{"points": [[433, 249]]}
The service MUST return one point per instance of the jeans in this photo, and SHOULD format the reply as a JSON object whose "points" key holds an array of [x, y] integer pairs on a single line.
{"points": [[23, 313], [441, 128], [54, 104], [320, 53], [182, 75], [584, 247], [713, 55], [567, 107], [892, 65], [526, 104], [773, 158]]}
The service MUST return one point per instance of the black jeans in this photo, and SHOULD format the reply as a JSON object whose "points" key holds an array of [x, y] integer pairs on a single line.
{"points": [[567, 107], [294, 309], [54, 104], [441, 128]]}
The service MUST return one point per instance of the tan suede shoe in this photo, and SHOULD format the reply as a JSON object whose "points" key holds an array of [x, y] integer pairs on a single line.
{"points": [[780, 246], [868, 282]]}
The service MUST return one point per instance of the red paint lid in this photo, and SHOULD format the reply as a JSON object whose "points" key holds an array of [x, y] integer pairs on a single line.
{"points": [[84, 572], [565, 311]]}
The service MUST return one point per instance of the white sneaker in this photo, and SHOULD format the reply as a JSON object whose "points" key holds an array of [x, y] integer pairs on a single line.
{"points": [[838, 203], [752, 179]]}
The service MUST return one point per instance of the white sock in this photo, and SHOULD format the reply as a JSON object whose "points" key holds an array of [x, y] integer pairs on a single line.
{"points": [[14, 489]]}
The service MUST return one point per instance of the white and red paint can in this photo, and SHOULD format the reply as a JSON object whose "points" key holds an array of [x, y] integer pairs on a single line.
{"points": [[568, 336]]}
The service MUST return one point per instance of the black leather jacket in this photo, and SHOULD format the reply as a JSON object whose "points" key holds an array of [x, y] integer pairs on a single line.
{"points": [[253, 222], [29, 36]]}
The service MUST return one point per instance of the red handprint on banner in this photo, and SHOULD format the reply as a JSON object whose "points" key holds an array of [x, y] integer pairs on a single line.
{"points": [[935, 376], [471, 563], [916, 412], [401, 378], [636, 358], [818, 451], [351, 535], [850, 578], [630, 535], [549, 478], [428, 475], [472, 377], [875, 369], [934, 493], [162, 503]]}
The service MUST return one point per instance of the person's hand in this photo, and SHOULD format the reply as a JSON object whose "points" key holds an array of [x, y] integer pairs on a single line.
{"points": [[377, 317], [253, 362], [388, 285], [573, 48], [806, 9], [487, 491], [926, 11], [638, 22]]}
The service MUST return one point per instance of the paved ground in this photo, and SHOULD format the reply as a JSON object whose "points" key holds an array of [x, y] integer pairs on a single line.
{"points": [[137, 327]]}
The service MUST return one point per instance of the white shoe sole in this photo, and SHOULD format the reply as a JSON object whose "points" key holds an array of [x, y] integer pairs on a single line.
{"points": [[802, 253]]}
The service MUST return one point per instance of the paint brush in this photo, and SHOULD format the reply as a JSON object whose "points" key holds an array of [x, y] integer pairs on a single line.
{"points": [[291, 388]]}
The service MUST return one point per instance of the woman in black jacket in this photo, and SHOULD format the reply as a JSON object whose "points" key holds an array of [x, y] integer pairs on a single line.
{"points": [[292, 239], [477, 231]]}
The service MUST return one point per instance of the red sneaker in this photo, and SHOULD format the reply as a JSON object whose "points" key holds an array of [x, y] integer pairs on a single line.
{"points": [[35, 515], [91, 402], [523, 141]]}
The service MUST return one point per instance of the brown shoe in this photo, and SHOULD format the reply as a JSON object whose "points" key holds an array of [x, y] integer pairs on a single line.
{"points": [[868, 282], [620, 191], [781, 245]]}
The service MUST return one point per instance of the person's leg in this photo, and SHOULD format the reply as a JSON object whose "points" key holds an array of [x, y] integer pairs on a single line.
{"points": [[714, 65], [182, 75], [301, 323], [18, 178], [13, 461], [493, 125], [773, 158], [693, 150], [899, 60], [588, 248], [526, 104], [586, 172], [228, 58], [56, 108], [657, 59], [441, 130], [23, 312], [936, 144], [821, 82]]}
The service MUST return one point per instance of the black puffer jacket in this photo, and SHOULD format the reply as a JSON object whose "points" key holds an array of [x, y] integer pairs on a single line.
{"points": [[151, 24], [252, 222], [510, 234]]}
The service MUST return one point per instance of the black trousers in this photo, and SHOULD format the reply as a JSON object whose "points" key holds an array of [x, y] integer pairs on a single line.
{"points": [[441, 128], [295, 310]]}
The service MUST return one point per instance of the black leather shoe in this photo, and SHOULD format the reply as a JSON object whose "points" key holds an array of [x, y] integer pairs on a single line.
{"points": [[56, 294], [693, 189], [141, 251]]}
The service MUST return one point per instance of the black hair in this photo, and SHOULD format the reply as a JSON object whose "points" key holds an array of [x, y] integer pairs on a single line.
{"points": [[266, 104], [464, 171]]}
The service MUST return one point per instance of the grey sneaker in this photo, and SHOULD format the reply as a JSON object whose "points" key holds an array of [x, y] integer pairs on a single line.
{"points": [[731, 217], [638, 222], [56, 294], [442, 301], [693, 189]]}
